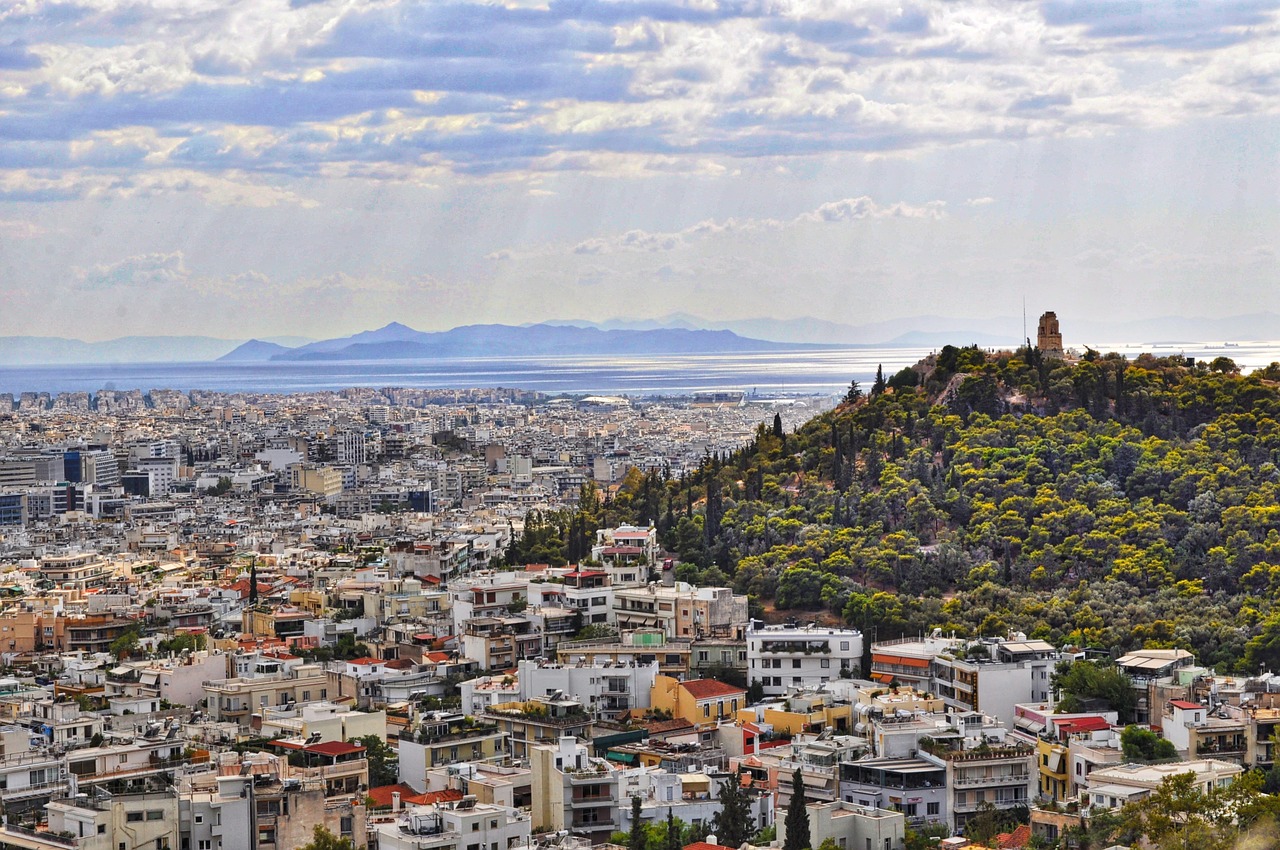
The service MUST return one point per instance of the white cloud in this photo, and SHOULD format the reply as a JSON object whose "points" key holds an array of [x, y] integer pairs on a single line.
{"points": [[141, 271], [845, 210]]}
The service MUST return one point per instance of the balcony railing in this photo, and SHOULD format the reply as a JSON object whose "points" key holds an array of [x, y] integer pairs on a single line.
{"points": [[1008, 779], [51, 837]]}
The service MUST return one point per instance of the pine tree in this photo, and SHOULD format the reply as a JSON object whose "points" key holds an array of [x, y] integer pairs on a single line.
{"points": [[854, 393], [732, 824], [878, 387], [797, 821]]}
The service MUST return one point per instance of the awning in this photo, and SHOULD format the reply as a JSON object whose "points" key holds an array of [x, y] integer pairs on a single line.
{"points": [[625, 758]]}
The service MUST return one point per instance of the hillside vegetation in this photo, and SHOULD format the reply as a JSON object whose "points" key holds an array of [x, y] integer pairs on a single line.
{"points": [[1108, 503]]}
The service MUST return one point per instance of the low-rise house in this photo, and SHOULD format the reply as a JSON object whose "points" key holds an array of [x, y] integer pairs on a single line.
{"points": [[699, 701], [1112, 787], [465, 824], [851, 826]]}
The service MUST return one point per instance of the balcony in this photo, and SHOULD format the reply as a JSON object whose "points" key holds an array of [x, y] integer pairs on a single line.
{"points": [[19, 836], [585, 802], [1002, 779]]}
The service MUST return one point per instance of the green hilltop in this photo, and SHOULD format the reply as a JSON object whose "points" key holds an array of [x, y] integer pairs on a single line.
{"points": [[1102, 503]]}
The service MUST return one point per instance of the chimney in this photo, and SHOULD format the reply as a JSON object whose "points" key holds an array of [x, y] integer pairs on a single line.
{"points": [[395, 801]]}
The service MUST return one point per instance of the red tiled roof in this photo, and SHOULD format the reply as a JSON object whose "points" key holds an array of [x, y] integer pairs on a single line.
{"points": [[438, 656], [709, 688], [1186, 705], [382, 796], [703, 845], [364, 662], [1015, 840], [448, 795], [585, 574], [1071, 725], [399, 664]]}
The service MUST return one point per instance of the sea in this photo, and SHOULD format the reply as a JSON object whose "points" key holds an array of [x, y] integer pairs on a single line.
{"points": [[808, 371]]}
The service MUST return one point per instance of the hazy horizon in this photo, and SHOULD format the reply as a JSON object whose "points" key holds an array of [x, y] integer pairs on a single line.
{"points": [[260, 169]]}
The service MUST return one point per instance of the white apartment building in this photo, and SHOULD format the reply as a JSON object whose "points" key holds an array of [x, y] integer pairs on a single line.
{"points": [[783, 657], [463, 825]]}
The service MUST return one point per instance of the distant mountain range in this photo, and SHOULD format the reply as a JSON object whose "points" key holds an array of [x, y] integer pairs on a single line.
{"points": [[56, 351], [678, 333], [398, 342]]}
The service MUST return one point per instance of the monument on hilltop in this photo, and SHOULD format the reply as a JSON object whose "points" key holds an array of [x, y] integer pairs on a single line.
{"points": [[1048, 336]]}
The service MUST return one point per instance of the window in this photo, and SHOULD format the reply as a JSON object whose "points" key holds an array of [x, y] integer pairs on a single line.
{"points": [[306, 696], [795, 663], [825, 663], [475, 827], [204, 844], [703, 655], [493, 824], [706, 710], [844, 646], [931, 808], [324, 693], [199, 818], [133, 817], [155, 814]]}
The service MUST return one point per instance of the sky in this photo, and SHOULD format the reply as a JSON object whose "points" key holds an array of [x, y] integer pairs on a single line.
{"points": [[320, 167]]}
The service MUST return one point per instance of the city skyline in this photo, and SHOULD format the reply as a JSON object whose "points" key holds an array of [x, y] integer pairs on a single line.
{"points": [[261, 169]]}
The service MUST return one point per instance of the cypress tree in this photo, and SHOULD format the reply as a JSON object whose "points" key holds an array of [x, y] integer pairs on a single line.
{"points": [[732, 824], [878, 387], [797, 821], [777, 426], [636, 840], [675, 841]]}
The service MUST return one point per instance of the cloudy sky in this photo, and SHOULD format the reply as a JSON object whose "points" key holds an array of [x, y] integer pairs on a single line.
{"points": [[323, 166]]}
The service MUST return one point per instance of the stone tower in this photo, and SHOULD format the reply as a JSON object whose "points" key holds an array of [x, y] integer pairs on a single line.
{"points": [[1048, 337]]}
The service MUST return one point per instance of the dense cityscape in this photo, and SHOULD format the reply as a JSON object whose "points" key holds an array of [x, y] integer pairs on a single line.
{"points": [[489, 619], [639, 425]]}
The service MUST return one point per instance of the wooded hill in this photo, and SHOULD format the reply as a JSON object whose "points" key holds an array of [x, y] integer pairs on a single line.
{"points": [[1107, 503]]}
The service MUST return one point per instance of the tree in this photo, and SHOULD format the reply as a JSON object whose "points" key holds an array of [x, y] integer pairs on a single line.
{"points": [[675, 837], [1081, 680], [797, 821], [126, 644], [854, 393], [383, 762], [755, 692], [777, 426], [635, 841], [323, 839], [877, 388], [1139, 744], [732, 824]]}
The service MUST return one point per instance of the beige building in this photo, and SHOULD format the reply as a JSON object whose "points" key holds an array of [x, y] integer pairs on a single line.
{"points": [[237, 700], [324, 481], [574, 791]]}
